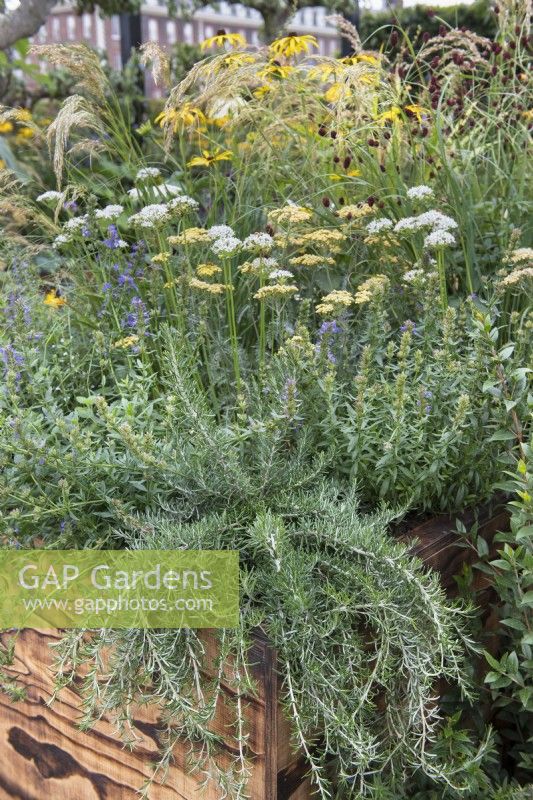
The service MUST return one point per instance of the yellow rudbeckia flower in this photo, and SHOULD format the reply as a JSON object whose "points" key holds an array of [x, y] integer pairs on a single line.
{"points": [[53, 299], [188, 116], [221, 38], [207, 158], [292, 45]]}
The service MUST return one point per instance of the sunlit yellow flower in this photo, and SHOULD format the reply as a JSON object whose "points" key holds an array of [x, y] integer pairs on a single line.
{"points": [[324, 70], [26, 133], [222, 38], [367, 58], [23, 114], [292, 45], [417, 111], [127, 341], [6, 127], [528, 114], [207, 270], [207, 158], [53, 299], [337, 91], [275, 70], [188, 116], [234, 60], [262, 90], [393, 114]]}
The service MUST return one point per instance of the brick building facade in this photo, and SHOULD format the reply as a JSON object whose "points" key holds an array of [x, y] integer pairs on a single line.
{"points": [[64, 25]]}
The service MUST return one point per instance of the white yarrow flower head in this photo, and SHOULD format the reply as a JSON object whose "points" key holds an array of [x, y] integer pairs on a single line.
{"points": [[435, 219], [147, 173], [378, 225], [134, 194], [151, 216], [166, 190], [407, 224], [220, 232], [278, 274], [413, 275], [76, 223], [226, 246], [419, 192], [439, 238], [182, 203], [60, 240], [49, 196], [259, 241], [265, 263], [110, 213]]}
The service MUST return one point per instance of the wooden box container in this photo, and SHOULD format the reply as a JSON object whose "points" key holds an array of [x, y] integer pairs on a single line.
{"points": [[44, 756]]}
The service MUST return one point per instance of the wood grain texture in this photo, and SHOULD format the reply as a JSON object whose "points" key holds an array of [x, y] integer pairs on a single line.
{"points": [[44, 756]]}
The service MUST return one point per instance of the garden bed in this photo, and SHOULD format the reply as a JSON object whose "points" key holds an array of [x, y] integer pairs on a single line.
{"points": [[43, 753]]}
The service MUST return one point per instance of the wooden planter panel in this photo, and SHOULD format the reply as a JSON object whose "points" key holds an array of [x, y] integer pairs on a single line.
{"points": [[44, 756]]}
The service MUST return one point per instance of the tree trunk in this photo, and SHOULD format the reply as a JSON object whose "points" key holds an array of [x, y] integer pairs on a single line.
{"points": [[274, 22], [23, 21]]}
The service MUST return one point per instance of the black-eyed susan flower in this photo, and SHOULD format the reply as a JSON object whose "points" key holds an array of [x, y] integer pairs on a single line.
{"points": [[292, 45], [275, 70], [188, 116], [222, 38], [207, 158], [53, 299]]}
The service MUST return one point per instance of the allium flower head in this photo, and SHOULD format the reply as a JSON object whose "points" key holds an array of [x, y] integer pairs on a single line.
{"points": [[219, 231], [226, 246], [439, 238], [419, 192], [147, 173], [259, 241]]}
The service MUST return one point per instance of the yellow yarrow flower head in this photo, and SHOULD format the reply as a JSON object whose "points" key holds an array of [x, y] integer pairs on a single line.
{"points": [[207, 270], [291, 214], [190, 236], [350, 212], [53, 300], [312, 260], [127, 341], [275, 290], [221, 38], [334, 302], [373, 287], [6, 127], [208, 288], [161, 258], [292, 45], [207, 158]]}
